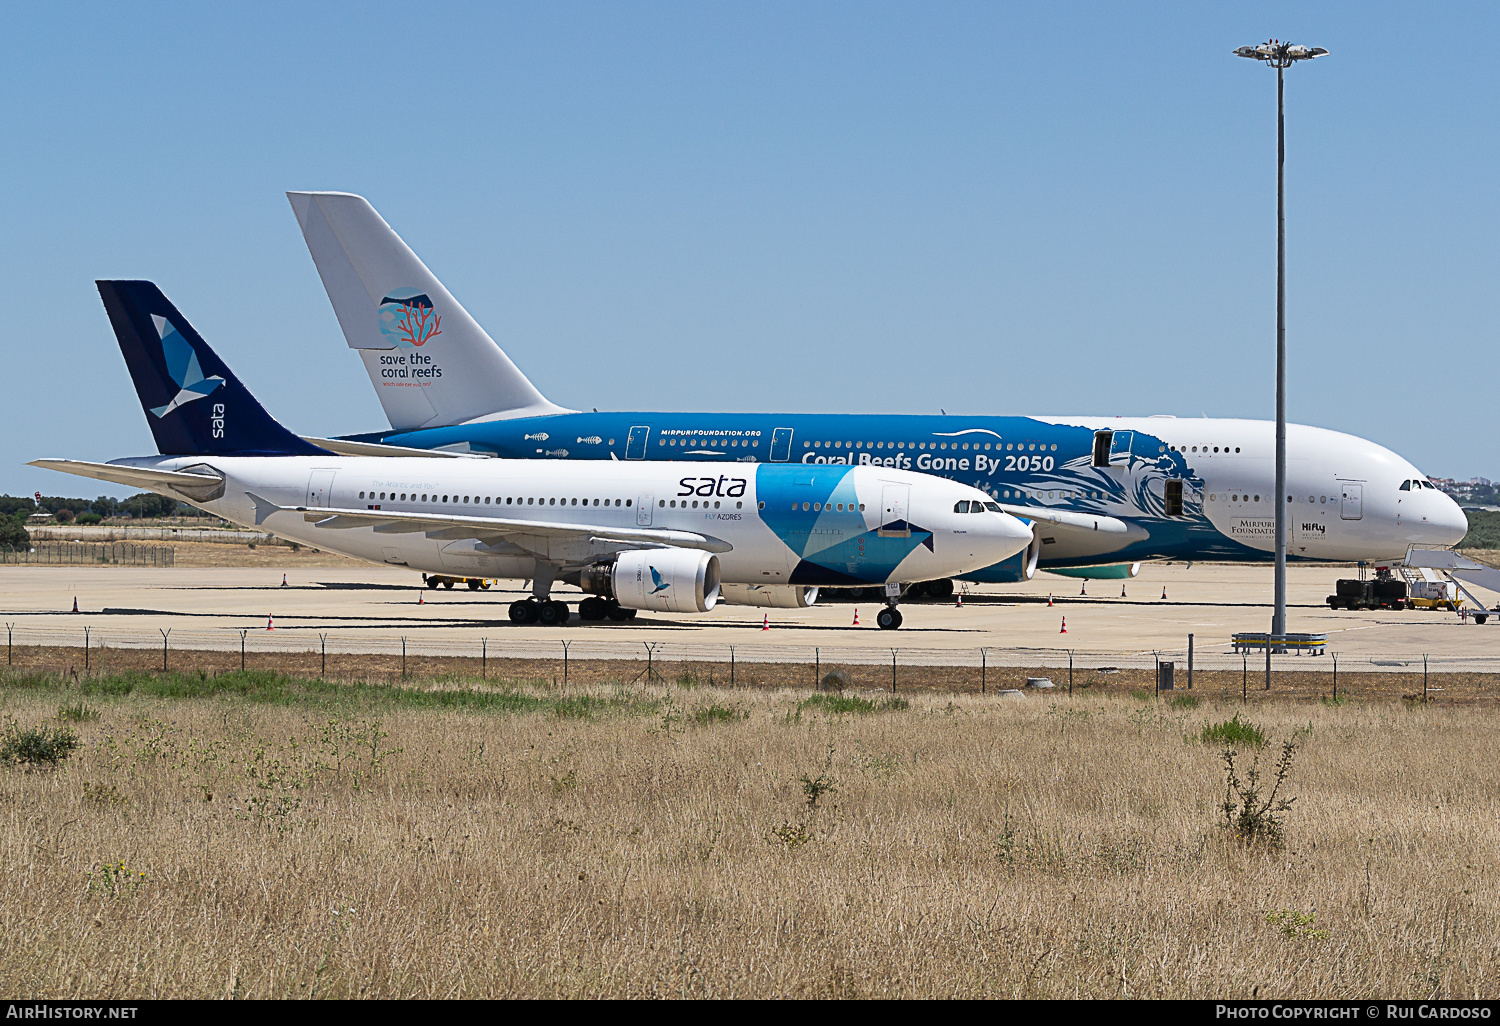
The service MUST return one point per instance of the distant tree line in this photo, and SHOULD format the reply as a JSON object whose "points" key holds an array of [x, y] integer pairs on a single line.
{"points": [[141, 506]]}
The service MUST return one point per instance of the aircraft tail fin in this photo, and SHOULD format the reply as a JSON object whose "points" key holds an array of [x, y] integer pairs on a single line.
{"points": [[193, 402], [431, 363]]}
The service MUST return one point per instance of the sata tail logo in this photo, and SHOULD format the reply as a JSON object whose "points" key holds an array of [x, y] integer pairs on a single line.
{"points": [[182, 364], [407, 318], [661, 585]]}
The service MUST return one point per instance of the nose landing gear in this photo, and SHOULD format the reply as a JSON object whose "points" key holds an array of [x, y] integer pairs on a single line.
{"points": [[889, 618]]}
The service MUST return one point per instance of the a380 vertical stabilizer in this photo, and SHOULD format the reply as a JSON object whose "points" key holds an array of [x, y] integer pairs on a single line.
{"points": [[431, 363]]}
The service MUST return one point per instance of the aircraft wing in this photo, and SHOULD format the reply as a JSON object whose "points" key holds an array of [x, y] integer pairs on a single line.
{"points": [[449, 526], [1067, 519], [201, 487]]}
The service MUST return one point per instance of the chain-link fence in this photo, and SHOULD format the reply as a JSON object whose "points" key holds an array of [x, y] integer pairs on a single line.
{"points": [[354, 653], [84, 553]]}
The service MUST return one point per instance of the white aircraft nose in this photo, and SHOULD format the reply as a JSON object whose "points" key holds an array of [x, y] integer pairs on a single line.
{"points": [[1445, 523], [1006, 532]]}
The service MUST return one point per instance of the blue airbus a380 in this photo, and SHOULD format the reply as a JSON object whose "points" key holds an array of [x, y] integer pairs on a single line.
{"points": [[1101, 493]]}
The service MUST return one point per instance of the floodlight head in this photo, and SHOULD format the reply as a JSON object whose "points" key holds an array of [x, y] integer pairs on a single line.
{"points": [[1277, 54]]}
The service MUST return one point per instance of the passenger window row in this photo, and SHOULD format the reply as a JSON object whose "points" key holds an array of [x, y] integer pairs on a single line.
{"points": [[486, 500]]}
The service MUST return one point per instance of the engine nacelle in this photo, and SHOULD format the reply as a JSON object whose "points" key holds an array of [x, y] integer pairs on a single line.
{"points": [[774, 596], [665, 580], [1112, 572]]}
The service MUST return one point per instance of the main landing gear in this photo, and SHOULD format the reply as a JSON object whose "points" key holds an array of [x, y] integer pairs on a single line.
{"points": [[542, 611], [596, 608]]}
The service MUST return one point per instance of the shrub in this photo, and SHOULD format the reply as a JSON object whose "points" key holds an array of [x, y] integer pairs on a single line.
{"points": [[1250, 817], [65, 516], [89, 518], [37, 746], [78, 712], [850, 704], [1233, 731], [718, 714], [834, 680]]}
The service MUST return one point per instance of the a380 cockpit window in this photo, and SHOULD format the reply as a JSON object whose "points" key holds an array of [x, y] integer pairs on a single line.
{"points": [[1405, 486]]}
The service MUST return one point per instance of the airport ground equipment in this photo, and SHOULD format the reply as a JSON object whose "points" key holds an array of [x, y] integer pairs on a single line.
{"points": [[1312, 644], [1462, 572], [445, 581], [1380, 593]]}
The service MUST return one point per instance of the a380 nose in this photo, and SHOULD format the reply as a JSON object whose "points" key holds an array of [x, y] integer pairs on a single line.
{"points": [[1445, 522]]}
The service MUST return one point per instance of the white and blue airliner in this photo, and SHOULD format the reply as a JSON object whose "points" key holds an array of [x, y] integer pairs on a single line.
{"points": [[1100, 493]]}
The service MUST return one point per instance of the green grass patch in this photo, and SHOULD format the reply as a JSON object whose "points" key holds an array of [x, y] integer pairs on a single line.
{"points": [[78, 712], [851, 704], [271, 688], [1233, 732], [1184, 702], [718, 714]]}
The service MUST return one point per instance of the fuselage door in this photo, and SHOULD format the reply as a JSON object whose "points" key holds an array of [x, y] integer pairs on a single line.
{"points": [[781, 445], [643, 506], [1119, 448], [895, 500], [320, 488], [635, 444], [1352, 505]]}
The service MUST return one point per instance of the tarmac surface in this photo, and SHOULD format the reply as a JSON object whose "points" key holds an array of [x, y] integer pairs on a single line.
{"points": [[373, 608]]}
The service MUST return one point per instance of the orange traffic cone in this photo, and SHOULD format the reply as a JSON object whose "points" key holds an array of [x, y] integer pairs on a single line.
{"points": [[1064, 626], [1085, 589], [270, 623], [960, 602], [420, 600], [765, 624], [75, 603], [283, 580], [1049, 600], [1122, 591], [1163, 592], [856, 616]]}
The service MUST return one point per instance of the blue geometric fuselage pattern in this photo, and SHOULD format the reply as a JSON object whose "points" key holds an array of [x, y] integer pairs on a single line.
{"points": [[999, 455], [834, 547]]}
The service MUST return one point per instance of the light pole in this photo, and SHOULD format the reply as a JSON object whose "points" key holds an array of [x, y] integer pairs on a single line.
{"points": [[1280, 56]]}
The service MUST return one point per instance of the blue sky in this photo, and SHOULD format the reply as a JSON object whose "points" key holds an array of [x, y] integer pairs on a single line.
{"points": [[859, 207]]}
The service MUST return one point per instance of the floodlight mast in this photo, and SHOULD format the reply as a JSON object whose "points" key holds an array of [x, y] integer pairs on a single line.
{"points": [[1280, 56]]}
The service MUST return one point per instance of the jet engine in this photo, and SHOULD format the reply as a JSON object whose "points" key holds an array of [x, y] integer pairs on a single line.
{"points": [[664, 580], [775, 596]]}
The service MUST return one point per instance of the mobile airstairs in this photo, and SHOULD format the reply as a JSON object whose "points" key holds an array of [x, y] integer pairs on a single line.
{"points": [[1460, 571]]}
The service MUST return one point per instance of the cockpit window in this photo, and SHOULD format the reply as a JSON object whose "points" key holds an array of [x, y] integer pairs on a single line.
{"points": [[961, 506], [993, 507], [1405, 486]]}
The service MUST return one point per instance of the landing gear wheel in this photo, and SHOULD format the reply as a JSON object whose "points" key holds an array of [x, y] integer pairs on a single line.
{"points": [[485, 585], [593, 608], [888, 618], [619, 614], [447, 582], [433, 582], [523, 612], [474, 584], [553, 614]]}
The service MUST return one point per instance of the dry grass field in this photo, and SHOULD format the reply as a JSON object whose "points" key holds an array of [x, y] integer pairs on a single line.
{"points": [[264, 836]]}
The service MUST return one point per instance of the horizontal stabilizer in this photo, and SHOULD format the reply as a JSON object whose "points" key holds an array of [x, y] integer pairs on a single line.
{"points": [[171, 483], [344, 447]]}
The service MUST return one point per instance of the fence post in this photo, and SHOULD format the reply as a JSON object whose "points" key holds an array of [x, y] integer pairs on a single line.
{"points": [[243, 632], [817, 668], [984, 667], [565, 645], [1157, 685], [323, 646], [85, 651], [1268, 662], [1190, 662], [484, 658], [650, 650], [1070, 673], [164, 634], [893, 671], [403, 657], [1244, 678], [8, 628], [1424, 676], [1335, 677], [731, 666]]}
